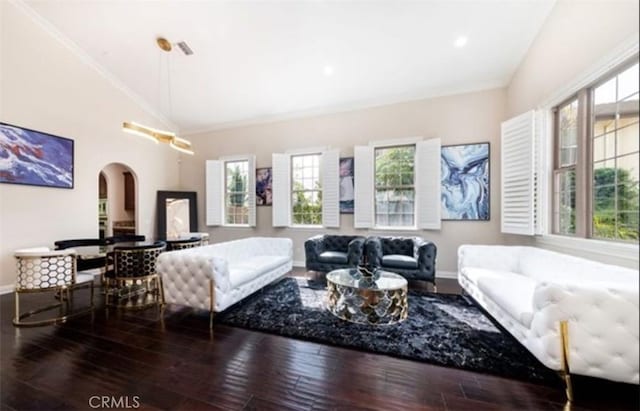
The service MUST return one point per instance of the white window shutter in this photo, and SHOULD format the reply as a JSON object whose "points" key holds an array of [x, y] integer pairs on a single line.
{"points": [[428, 184], [252, 190], [281, 183], [215, 192], [330, 188], [518, 174], [363, 214]]}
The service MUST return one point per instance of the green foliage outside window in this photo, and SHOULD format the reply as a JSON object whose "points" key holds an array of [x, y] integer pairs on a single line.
{"points": [[306, 211], [615, 217]]}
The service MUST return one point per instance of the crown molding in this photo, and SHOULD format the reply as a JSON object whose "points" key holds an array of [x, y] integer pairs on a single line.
{"points": [[50, 29], [336, 109]]}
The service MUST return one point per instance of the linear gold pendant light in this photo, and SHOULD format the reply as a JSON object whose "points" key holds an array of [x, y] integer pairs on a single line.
{"points": [[154, 134]]}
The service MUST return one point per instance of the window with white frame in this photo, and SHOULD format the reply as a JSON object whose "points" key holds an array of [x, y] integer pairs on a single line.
{"points": [[395, 186], [595, 185], [230, 191], [236, 196], [306, 190]]}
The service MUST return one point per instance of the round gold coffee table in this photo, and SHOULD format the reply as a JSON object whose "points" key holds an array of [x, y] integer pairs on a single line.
{"points": [[354, 298]]}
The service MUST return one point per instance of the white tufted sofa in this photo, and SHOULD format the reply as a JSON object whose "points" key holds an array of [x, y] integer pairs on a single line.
{"points": [[530, 290], [216, 276]]}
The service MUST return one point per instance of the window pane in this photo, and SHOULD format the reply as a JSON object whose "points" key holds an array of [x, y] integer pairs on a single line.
{"points": [[604, 147], [628, 82], [236, 193], [306, 194], [394, 180], [566, 202], [627, 168], [605, 93], [568, 130]]}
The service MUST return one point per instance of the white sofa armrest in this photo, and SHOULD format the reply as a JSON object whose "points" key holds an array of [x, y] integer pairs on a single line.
{"points": [[186, 276], [603, 329]]}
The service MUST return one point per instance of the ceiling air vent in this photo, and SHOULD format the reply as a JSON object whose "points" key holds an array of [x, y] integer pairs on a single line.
{"points": [[185, 48]]}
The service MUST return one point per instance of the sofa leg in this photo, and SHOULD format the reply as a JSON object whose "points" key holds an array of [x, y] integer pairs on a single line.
{"points": [[210, 304], [435, 288], [565, 372]]}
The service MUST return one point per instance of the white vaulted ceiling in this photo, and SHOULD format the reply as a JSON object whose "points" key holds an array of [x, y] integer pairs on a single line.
{"points": [[269, 59]]}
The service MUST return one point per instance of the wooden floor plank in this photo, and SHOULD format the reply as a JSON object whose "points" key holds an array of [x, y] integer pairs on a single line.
{"points": [[183, 366]]}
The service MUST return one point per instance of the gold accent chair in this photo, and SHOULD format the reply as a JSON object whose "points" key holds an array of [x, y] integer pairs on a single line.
{"points": [[42, 270], [134, 282]]}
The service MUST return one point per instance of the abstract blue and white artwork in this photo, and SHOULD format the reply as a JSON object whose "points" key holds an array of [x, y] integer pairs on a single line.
{"points": [[465, 182], [35, 158]]}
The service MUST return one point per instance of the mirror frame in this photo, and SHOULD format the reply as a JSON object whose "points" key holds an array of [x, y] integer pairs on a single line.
{"points": [[161, 204]]}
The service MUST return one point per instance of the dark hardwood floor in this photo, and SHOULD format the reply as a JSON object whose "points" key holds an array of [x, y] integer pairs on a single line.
{"points": [[130, 361]]}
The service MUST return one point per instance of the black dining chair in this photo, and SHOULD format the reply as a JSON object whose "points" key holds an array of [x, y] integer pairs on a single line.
{"points": [[84, 263], [182, 244], [125, 238], [133, 282]]}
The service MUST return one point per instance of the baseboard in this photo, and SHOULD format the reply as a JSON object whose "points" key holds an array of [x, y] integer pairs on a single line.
{"points": [[446, 274], [439, 274], [6, 289]]}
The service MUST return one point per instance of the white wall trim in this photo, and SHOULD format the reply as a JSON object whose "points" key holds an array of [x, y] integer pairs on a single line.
{"points": [[309, 150], [619, 55], [403, 141], [6, 289], [452, 275], [621, 253], [86, 59], [239, 157]]}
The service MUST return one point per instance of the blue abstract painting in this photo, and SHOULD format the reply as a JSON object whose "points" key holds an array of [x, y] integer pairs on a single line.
{"points": [[465, 182], [35, 158]]}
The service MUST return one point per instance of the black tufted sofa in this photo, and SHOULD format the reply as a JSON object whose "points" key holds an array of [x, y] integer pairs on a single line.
{"points": [[411, 257], [330, 252]]}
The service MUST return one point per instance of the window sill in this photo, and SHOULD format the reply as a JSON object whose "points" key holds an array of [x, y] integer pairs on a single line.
{"points": [[625, 254], [306, 227], [387, 228], [236, 226]]}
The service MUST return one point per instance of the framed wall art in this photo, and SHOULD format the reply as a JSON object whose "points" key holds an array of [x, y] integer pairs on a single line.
{"points": [[346, 185], [263, 187], [465, 182], [35, 158]]}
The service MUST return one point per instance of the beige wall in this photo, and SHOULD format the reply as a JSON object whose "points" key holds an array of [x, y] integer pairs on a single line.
{"points": [[467, 118], [45, 86], [576, 36]]}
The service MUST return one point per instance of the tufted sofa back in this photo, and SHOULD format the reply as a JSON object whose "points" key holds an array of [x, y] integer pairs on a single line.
{"points": [[241, 250], [397, 245], [550, 266], [338, 242]]}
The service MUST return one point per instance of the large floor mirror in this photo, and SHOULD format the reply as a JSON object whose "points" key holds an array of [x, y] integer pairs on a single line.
{"points": [[177, 214]]}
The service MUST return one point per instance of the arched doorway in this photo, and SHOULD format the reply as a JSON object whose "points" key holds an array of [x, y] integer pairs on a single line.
{"points": [[117, 200]]}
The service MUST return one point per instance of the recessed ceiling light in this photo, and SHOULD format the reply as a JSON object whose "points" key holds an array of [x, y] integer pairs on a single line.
{"points": [[461, 41], [328, 70]]}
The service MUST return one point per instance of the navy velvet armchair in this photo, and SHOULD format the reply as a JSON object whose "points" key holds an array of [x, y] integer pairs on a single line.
{"points": [[411, 257], [330, 252]]}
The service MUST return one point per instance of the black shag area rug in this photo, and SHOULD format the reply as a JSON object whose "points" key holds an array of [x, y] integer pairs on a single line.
{"points": [[441, 329]]}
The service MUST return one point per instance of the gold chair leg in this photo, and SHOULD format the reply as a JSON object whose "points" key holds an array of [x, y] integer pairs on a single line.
{"points": [[565, 372]]}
